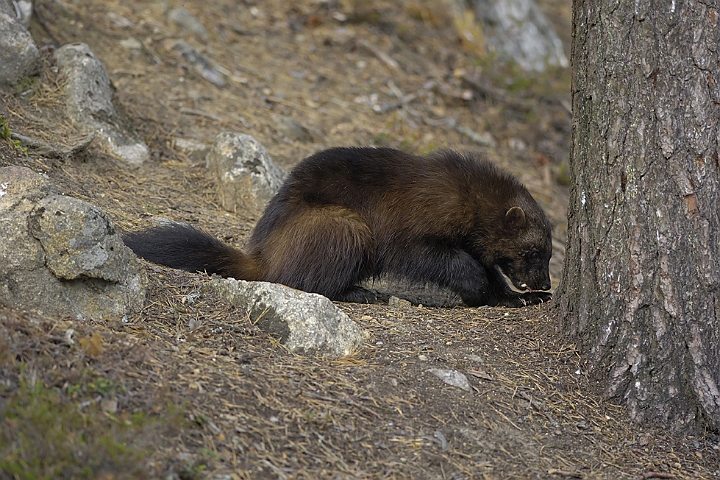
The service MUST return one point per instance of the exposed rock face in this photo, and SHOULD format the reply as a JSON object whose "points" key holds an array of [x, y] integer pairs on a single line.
{"points": [[517, 30], [246, 175], [89, 105], [62, 256], [18, 52], [304, 322]]}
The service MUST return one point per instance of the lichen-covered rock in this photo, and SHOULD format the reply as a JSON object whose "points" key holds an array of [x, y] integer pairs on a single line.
{"points": [[18, 53], [246, 175], [62, 256], [304, 322], [89, 104], [79, 240]]}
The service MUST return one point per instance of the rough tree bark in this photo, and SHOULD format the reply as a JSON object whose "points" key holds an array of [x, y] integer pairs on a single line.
{"points": [[640, 292]]}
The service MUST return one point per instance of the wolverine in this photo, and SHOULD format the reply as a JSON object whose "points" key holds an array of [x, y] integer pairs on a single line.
{"points": [[345, 215]]}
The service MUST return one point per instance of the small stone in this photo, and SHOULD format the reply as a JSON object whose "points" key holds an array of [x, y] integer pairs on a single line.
{"points": [[440, 438], [131, 44], [199, 63], [292, 129], [194, 149], [452, 377], [188, 21], [109, 405], [246, 175], [24, 11], [78, 240], [399, 303], [119, 20]]}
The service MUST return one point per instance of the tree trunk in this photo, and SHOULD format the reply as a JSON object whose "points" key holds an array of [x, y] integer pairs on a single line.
{"points": [[640, 293]]}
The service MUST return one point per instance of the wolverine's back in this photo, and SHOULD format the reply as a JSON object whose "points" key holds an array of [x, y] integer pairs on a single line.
{"points": [[440, 194]]}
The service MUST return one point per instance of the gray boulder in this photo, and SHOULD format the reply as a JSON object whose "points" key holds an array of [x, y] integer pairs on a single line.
{"points": [[517, 30], [62, 256], [89, 104], [304, 322], [18, 53], [247, 178]]}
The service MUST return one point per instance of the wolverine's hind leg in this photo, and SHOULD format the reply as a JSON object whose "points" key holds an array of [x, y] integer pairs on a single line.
{"points": [[324, 250], [357, 294]]}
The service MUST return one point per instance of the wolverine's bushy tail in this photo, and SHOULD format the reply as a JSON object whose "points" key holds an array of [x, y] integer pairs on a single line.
{"points": [[182, 246]]}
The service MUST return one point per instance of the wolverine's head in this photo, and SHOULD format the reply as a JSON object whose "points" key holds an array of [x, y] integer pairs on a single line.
{"points": [[521, 254]]}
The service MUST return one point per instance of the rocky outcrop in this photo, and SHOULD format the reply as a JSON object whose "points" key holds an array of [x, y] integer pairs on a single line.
{"points": [[62, 256]]}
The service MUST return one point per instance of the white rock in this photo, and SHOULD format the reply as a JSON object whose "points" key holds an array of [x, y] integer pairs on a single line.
{"points": [[452, 377], [304, 322]]}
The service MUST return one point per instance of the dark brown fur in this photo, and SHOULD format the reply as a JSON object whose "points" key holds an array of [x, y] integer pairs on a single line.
{"points": [[348, 214]]}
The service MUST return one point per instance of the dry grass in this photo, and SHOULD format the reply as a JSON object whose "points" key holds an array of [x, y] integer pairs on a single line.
{"points": [[252, 409]]}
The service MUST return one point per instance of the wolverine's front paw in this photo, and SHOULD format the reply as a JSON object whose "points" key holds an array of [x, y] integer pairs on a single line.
{"points": [[530, 298], [533, 298]]}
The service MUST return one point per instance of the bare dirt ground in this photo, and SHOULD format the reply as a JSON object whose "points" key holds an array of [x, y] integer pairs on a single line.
{"points": [[189, 387]]}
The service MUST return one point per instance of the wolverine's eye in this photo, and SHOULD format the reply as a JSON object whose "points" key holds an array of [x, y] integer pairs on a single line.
{"points": [[533, 256]]}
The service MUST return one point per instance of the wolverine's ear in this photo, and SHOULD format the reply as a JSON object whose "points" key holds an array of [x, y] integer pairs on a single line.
{"points": [[515, 219]]}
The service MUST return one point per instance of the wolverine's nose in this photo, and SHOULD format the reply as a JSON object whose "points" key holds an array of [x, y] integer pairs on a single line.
{"points": [[545, 286]]}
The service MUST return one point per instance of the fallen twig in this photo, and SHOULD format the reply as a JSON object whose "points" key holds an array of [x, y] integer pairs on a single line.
{"points": [[496, 94], [564, 473], [384, 57], [648, 475], [200, 113]]}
